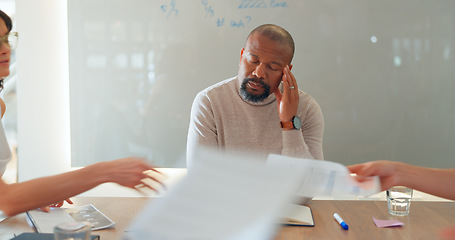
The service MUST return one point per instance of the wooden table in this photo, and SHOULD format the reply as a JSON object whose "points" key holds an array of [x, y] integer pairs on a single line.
{"points": [[425, 220]]}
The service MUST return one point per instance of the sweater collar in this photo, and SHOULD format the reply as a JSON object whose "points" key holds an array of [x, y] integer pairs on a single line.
{"points": [[271, 98]]}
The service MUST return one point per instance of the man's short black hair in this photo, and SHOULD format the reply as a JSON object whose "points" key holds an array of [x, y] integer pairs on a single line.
{"points": [[275, 33]]}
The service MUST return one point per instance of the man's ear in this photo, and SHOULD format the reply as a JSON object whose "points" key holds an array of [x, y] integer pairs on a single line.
{"points": [[241, 55], [2, 107]]}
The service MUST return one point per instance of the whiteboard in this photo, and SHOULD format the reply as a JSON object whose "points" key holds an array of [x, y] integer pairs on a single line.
{"points": [[382, 71]]}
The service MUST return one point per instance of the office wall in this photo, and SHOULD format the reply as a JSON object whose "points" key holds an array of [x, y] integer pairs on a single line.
{"points": [[42, 88], [382, 72]]}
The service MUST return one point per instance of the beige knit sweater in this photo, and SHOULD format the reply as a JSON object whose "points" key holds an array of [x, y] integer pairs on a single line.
{"points": [[221, 118]]}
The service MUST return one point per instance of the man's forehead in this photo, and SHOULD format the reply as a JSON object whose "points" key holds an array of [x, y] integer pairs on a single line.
{"points": [[266, 57], [264, 47], [271, 61]]}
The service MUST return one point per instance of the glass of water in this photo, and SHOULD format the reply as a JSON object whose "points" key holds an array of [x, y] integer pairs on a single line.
{"points": [[72, 231], [399, 200]]}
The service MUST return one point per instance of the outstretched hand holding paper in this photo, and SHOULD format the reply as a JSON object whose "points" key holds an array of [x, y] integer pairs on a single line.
{"points": [[324, 178]]}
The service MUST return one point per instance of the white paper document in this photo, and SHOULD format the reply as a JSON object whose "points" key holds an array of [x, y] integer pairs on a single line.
{"points": [[2, 216], [323, 178], [223, 197]]}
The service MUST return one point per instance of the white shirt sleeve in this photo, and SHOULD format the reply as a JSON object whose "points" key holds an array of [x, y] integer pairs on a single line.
{"points": [[2, 216], [5, 151]]}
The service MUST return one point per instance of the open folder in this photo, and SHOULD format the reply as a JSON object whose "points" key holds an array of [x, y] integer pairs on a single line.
{"points": [[297, 215]]}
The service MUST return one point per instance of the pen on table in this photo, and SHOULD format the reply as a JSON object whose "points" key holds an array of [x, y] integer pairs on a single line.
{"points": [[340, 221]]}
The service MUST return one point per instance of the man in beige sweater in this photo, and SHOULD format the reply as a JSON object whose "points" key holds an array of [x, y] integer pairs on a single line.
{"points": [[261, 110]]}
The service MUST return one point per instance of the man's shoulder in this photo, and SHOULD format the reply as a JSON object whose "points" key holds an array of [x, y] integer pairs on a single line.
{"points": [[305, 97], [308, 102], [220, 87], [223, 84], [308, 105]]}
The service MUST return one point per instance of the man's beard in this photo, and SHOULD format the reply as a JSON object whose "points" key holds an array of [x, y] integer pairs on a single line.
{"points": [[247, 96]]}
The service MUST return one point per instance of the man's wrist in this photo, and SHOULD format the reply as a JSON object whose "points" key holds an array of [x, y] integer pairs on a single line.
{"points": [[295, 123]]}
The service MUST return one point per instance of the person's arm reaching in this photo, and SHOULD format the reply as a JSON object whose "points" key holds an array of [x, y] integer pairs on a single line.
{"points": [[429, 180], [19, 197]]}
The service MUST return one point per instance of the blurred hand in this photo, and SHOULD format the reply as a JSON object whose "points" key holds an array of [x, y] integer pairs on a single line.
{"points": [[59, 204], [448, 233], [384, 169], [133, 172]]}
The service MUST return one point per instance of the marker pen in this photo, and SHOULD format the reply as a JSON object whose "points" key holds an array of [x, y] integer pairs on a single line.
{"points": [[340, 221]]}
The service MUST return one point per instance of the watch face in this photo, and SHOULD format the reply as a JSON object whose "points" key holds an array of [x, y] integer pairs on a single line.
{"points": [[296, 122]]}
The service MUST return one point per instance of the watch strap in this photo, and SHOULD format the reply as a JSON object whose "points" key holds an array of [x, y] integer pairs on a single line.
{"points": [[289, 125]]}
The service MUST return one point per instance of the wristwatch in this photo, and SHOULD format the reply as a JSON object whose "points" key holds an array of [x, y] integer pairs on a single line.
{"points": [[295, 123]]}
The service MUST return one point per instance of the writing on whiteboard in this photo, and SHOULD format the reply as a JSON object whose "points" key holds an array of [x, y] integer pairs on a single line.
{"points": [[242, 22], [261, 4], [208, 9], [170, 10]]}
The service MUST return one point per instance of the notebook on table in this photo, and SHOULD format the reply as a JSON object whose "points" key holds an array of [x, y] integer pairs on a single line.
{"points": [[298, 215]]}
